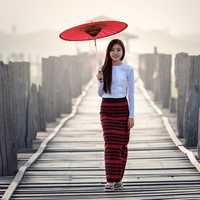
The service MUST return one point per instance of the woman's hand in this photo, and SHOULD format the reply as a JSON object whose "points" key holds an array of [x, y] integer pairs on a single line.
{"points": [[100, 75], [130, 123]]}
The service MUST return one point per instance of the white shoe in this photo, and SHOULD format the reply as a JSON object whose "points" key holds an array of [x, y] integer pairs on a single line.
{"points": [[118, 186], [109, 187]]}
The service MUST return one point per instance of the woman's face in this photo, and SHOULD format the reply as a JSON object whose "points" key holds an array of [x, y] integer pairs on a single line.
{"points": [[116, 53]]}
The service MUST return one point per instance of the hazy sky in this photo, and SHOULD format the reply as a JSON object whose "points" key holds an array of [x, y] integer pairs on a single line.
{"points": [[178, 16]]}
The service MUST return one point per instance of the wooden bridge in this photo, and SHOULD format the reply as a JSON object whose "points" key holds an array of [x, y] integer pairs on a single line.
{"points": [[71, 165]]}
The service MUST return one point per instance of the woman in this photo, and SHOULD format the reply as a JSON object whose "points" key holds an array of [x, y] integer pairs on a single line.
{"points": [[116, 87]]}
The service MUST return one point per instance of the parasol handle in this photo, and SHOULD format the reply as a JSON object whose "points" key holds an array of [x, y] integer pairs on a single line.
{"points": [[95, 45], [98, 67]]}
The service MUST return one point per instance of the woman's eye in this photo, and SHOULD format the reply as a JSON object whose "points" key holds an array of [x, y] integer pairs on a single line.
{"points": [[118, 50]]}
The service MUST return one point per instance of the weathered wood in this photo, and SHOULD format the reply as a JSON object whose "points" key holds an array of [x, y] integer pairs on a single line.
{"points": [[190, 127], [165, 79], [173, 105], [156, 79], [20, 91], [198, 147], [182, 66], [61, 82], [67, 101], [48, 82], [66, 85], [147, 64], [75, 77], [42, 116], [8, 149], [150, 65], [162, 79], [155, 70], [33, 116], [44, 86], [173, 89], [141, 66], [57, 79], [64, 98]]}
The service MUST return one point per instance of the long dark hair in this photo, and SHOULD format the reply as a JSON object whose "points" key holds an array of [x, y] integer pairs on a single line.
{"points": [[107, 66]]}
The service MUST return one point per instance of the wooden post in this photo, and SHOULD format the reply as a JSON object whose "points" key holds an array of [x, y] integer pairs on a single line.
{"points": [[173, 89], [48, 82], [141, 66], [53, 86], [156, 79], [42, 116], [198, 147], [66, 94], [162, 78], [76, 76], [182, 66], [165, 79], [20, 91], [146, 70], [172, 106], [149, 70], [62, 80], [190, 127], [45, 86], [33, 116], [8, 149], [66, 86], [57, 96]]}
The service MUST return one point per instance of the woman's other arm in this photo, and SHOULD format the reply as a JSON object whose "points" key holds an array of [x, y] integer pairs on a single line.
{"points": [[130, 91]]}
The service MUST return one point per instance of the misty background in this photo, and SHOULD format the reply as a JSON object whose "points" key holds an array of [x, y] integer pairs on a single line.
{"points": [[29, 29]]}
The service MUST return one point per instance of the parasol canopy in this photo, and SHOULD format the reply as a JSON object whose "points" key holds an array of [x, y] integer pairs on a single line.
{"points": [[93, 30]]}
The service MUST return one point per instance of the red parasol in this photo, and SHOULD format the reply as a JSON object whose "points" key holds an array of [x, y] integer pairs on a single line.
{"points": [[93, 30]]}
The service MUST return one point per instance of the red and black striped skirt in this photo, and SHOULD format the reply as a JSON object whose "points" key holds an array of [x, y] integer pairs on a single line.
{"points": [[114, 120]]}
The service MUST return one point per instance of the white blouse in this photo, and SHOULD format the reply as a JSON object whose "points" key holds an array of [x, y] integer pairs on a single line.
{"points": [[122, 85]]}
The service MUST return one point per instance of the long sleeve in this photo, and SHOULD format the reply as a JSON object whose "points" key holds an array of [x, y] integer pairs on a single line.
{"points": [[130, 92], [100, 88]]}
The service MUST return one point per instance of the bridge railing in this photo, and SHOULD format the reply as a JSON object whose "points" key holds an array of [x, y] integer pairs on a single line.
{"points": [[157, 74], [26, 108]]}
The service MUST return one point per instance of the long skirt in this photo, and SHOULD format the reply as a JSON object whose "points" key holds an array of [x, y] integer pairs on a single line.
{"points": [[114, 120]]}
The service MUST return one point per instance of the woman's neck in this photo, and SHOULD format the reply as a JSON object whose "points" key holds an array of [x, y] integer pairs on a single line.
{"points": [[117, 63]]}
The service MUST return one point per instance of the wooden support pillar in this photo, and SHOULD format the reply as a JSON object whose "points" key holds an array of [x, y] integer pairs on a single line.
{"points": [[182, 66], [8, 148], [191, 112]]}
